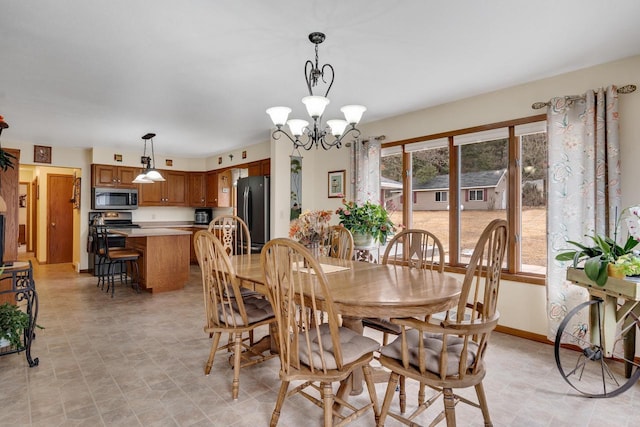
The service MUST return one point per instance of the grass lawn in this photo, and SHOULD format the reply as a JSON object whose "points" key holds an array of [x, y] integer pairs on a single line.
{"points": [[534, 229]]}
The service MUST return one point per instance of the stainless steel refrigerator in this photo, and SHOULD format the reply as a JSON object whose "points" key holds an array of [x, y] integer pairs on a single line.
{"points": [[253, 208]]}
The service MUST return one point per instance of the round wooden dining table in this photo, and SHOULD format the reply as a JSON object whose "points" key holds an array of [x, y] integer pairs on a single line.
{"points": [[361, 289]]}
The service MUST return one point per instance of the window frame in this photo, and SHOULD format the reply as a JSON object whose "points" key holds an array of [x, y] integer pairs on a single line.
{"points": [[439, 196], [514, 204], [475, 192]]}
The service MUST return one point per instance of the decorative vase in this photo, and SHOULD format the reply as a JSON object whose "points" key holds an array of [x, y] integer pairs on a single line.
{"points": [[362, 239], [314, 248], [616, 271]]}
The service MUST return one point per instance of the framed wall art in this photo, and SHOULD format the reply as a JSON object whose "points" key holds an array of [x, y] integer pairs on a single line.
{"points": [[336, 184], [41, 154]]}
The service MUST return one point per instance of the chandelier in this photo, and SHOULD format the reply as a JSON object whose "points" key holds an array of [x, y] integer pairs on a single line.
{"points": [[149, 175], [317, 135]]}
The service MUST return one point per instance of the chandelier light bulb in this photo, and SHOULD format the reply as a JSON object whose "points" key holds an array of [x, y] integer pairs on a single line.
{"points": [[353, 113], [337, 127], [296, 126], [279, 115], [315, 105]]}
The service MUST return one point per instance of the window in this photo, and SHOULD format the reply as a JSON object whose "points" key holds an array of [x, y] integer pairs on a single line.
{"points": [[391, 182], [461, 182], [476, 195]]}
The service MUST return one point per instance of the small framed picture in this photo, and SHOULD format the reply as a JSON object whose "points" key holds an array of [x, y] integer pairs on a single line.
{"points": [[41, 154], [168, 162], [219, 160], [244, 154], [336, 184], [117, 157]]}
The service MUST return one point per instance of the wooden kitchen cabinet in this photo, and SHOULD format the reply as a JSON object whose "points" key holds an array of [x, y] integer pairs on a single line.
{"points": [[197, 189], [211, 188], [218, 189], [259, 168], [113, 176], [224, 189], [171, 192]]}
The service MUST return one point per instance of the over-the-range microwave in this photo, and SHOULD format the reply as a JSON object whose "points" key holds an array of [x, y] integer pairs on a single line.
{"points": [[114, 199]]}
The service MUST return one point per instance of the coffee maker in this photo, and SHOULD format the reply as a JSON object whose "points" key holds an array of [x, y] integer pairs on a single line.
{"points": [[203, 216]]}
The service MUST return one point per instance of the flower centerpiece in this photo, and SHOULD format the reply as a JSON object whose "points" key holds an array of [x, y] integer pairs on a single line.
{"points": [[310, 227], [606, 257], [366, 219]]}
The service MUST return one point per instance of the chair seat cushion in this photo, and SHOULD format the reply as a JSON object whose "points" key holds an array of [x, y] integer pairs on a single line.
{"points": [[352, 344], [382, 324], [258, 309], [433, 348]]}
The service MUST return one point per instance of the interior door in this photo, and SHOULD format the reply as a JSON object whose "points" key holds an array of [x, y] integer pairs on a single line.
{"points": [[60, 219], [34, 219]]}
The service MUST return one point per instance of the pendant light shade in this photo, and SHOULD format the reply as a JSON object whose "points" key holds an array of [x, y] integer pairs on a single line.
{"points": [[150, 174]]}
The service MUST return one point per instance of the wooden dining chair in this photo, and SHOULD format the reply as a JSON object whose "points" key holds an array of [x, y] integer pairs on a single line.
{"points": [[319, 354], [339, 242], [412, 248], [233, 233], [226, 309], [450, 355], [235, 237]]}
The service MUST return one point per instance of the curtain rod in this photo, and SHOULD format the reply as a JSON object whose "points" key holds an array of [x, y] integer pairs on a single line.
{"points": [[623, 89]]}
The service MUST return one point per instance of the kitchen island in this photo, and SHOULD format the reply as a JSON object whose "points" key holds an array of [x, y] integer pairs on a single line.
{"points": [[164, 256]]}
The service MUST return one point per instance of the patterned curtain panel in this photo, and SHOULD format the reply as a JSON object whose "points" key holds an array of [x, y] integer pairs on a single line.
{"points": [[584, 187], [365, 167]]}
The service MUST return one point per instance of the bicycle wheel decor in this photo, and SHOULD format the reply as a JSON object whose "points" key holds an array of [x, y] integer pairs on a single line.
{"points": [[581, 354]]}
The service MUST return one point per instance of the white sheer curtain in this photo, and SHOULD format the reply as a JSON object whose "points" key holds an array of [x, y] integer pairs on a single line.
{"points": [[365, 166], [584, 185]]}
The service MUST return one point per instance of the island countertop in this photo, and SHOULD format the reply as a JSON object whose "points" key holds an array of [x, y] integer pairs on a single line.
{"points": [[164, 256], [148, 232]]}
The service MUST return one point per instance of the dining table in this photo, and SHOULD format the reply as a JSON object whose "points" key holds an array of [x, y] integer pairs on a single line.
{"points": [[361, 289]]}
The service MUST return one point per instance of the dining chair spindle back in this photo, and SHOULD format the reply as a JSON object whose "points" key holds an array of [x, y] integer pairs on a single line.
{"points": [[450, 354], [311, 351], [226, 309]]}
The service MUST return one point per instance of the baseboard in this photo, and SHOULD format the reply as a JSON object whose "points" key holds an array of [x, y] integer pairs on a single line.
{"points": [[524, 334]]}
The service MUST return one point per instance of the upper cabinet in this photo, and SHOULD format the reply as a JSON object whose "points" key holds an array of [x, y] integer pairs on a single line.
{"points": [[171, 192], [197, 189], [260, 167], [113, 176], [218, 189], [212, 189]]}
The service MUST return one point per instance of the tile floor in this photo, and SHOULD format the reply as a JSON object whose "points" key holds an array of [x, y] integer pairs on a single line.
{"points": [[137, 359]]}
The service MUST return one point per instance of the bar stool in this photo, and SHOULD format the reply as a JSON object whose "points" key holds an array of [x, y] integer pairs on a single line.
{"points": [[121, 257]]}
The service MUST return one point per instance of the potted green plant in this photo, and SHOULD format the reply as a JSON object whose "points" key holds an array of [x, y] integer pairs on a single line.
{"points": [[597, 258], [367, 219], [13, 322]]}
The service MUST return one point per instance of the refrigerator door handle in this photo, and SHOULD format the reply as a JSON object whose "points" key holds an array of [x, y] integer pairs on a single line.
{"points": [[245, 197]]}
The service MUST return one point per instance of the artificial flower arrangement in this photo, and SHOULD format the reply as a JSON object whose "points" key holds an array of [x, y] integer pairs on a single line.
{"points": [[367, 218], [310, 226], [606, 255]]}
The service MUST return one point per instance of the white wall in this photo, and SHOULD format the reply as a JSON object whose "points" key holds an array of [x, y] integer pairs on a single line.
{"points": [[522, 305]]}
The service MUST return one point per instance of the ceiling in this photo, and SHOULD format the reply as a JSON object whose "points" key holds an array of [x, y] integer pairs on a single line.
{"points": [[201, 73]]}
